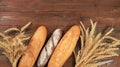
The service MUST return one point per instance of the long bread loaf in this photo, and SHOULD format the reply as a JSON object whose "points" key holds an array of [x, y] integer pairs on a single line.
{"points": [[65, 47], [34, 47], [49, 48]]}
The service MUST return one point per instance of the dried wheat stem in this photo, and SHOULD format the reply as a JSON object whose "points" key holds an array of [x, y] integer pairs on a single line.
{"points": [[94, 48]]}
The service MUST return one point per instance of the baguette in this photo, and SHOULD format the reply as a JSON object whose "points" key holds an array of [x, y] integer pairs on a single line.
{"points": [[65, 47], [49, 48], [34, 47]]}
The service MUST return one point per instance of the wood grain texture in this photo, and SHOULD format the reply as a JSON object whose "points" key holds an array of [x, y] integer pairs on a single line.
{"points": [[60, 14]]}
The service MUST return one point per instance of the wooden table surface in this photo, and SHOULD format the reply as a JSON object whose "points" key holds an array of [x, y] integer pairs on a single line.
{"points": [[60, 14]]}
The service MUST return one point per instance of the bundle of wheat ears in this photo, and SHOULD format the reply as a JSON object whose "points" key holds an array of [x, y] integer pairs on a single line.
{"points": [[14, 45], [94, 49]]}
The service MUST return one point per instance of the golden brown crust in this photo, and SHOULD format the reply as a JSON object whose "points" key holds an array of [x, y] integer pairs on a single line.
{"points": [[34, 47], [49, 47], [65, 47]]}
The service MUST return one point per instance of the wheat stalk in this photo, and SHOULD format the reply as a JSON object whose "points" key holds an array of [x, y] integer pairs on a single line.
{"points": [[94, 48], [13, 45]]}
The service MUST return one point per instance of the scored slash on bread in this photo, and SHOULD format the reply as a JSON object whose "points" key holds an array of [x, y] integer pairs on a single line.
{"points": [[65, 47], [49, 48]]}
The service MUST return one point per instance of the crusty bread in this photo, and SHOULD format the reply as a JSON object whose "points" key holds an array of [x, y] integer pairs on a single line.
{"points": [[65, 47], [49, 48], [34, 47]]}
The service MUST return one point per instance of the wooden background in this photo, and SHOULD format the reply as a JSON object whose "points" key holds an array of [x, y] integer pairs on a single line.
{"points": [[60, 14]]}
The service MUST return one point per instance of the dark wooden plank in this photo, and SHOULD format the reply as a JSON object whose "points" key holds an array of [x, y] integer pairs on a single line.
{"points": [[52, 21], [52, 5], [60, 14], [4, 62]]}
